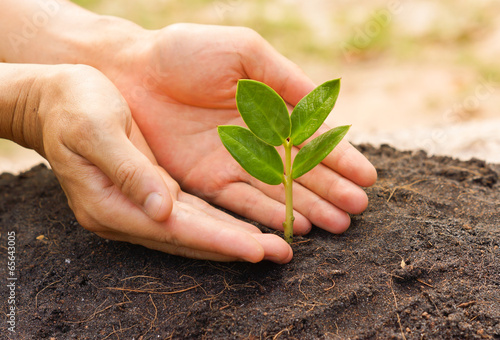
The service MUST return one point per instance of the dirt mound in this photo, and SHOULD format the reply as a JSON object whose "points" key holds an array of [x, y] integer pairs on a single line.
{"points": [[422, 262]]}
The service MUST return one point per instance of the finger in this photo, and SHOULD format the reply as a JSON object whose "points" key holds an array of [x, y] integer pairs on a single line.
{"points": [[195, 229], [347, 161], [187, 227], [335, 189], [352, 164], [317, 210], [276, 250], [168, 248], [217, 213], [202, 205], [130, 170], [253, 203], [263, 63]]}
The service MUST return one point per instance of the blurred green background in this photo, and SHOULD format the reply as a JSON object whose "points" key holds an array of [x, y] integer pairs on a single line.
{"points": [[317, 32], [404, 64]]}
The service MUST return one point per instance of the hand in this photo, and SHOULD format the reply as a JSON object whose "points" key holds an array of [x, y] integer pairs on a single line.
{"points": [[85, 130], [182, 84]]}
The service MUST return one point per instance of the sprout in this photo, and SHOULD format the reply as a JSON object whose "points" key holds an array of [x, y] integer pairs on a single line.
{"points": [[270, 125]]}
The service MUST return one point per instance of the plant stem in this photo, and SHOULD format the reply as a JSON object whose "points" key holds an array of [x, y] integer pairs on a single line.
{"points": [[288, 183]]}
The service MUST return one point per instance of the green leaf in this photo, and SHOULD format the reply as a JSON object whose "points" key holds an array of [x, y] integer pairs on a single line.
{"points": [[258, 158], [312, 110], [263, 110], [316, 150]]}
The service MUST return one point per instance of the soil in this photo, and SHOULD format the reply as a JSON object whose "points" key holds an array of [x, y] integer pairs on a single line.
{"points": [[422, 262]]}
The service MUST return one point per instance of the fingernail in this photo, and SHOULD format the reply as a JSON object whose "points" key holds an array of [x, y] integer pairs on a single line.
{"points": [[153, 203], [276, 259]]}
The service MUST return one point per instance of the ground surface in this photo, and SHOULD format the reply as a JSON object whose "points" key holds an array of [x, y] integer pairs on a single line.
{"points": [[423, 262]]}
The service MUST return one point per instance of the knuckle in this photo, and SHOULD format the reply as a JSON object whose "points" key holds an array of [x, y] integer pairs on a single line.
{"points": [[85, 219], [77, 72], [250, 39], [76, 76], [249, 33], [127, 176]]}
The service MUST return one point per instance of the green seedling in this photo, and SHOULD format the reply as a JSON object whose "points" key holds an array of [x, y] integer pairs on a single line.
{"points": [[270, 125]]}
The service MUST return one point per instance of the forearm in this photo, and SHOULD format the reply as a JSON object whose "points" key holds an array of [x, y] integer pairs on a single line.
{"points": [[58, 31]]}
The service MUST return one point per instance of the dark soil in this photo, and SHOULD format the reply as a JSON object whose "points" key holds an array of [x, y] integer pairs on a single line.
{"points": [[423, 262]]}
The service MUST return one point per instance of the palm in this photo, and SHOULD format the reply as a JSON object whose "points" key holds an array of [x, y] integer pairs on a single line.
{"points": [[191, 153], [185, 142]]}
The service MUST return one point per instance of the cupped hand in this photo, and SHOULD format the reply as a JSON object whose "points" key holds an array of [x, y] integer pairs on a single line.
{"points": [[180, 83], [114, 185]]}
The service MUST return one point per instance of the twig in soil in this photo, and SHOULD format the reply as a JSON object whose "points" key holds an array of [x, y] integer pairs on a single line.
{"points": [[115, 331], [425, 283], [155, 317], [55, 221], [226, 306], [196, 282], [331, 287], [236, 286], [397, 314], [140, 276], [152, 291], [306, 304], [36, 297], [300, 242], [211, 298], [224, 268], [97, 311], [396, 276], [300, 290], [336, 334], [428, 296], [400, 327], [406, 186], [276, 336], [467, 304]]}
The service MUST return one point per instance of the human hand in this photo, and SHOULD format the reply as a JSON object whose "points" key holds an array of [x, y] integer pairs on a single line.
{"points": [[182, 85], [84, 128]]}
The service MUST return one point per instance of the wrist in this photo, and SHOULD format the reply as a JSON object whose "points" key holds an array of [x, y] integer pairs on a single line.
{"points": [[19, 105]]}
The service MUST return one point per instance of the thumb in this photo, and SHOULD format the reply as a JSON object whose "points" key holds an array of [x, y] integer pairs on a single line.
{"points": [[130, 165], [264, 63]]}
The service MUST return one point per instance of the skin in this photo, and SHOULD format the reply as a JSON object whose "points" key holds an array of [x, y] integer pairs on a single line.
{"points": [[166, 92]]}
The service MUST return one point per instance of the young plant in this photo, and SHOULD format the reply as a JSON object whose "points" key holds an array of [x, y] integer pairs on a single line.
{"points": [[270, 125]]}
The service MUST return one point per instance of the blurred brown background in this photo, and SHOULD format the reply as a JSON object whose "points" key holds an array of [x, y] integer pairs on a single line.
{"points": [[415, 73]]}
